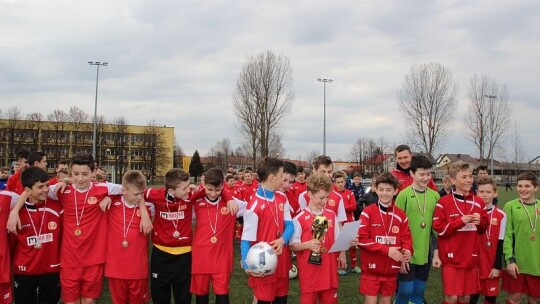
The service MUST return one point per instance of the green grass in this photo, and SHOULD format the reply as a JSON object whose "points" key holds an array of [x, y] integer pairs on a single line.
{"points": [[348, 285]]}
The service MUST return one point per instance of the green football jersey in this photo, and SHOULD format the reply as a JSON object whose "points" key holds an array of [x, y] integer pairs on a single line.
{"points": [[420, 221], [520, 241]]}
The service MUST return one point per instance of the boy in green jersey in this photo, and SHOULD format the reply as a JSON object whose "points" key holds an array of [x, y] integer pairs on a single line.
{"points": [[522, 242], [418, 201]]}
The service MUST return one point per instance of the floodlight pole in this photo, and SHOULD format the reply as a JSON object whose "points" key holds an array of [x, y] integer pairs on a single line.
{"points": [[97, 64], [324, 81]]}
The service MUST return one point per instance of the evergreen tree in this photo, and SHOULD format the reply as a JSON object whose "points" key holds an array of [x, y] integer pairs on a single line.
{"points": [[196, 168]]}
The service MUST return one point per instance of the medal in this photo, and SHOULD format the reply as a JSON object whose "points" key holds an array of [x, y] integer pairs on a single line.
{"points": [[176, 234], [125, 244], [78, 219], [37, 245], [488, 244], [213, 226], [174, 221], [533, 237], [78, 232], [423, 225], [274, 212], [532, 222], [421, 210], [323, 249], [213, 239], [488, 230], [126, 229]]}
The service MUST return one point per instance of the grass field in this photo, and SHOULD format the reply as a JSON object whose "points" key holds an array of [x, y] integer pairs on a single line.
{"points": [[348, 285]]}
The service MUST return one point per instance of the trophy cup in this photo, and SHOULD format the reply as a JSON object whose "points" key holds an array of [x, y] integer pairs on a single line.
{"points": [[319, 228]]}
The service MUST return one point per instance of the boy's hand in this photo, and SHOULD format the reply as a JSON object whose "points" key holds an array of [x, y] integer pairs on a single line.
{"points": [[405, 267], [14, 222], [255, 274], [476, 218], [513, 270], [406, 255], [437, 263], [105, 204], [494, 273], [61, 186], [314, 245], [467, 218], [395, 254], [277, 244], [342, 260], [233, 208]]}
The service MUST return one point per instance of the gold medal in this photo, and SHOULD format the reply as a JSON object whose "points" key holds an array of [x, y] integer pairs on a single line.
{"points": [[323, 249], [533, 237], [213, 239], [423, 225], [125, 244], [488, 244], [78, 232], [176, 234], [37, 245]]}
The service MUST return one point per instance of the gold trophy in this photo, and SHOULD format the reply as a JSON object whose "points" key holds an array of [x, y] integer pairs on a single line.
{"points": [[319, 228]]}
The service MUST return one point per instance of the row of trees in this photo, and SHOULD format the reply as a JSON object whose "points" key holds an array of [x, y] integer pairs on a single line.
{"points": [[61, 133]]}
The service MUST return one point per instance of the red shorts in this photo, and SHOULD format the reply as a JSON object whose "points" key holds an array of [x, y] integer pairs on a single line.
{"points": [[81, 282], [490, 287], [6, 294], [200, 283], [283, 286], [460, 281], [372, 285], [265, 292], [129, 291], [327, 296], [525, 283]]}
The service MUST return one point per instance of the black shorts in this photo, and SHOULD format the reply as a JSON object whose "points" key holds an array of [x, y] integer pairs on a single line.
{"points": [[26, 286], [417, 272]]}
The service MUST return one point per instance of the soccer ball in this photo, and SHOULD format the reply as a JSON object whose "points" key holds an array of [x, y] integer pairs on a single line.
{"points": [[261, 259], [293, 272]]}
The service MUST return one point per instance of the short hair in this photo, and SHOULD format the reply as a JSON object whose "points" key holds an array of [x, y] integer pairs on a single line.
{"points": [[318, 182], [33, 175], [386, 178], [482, 167], [446, 178], [322, 160], [357, 174], [229, 176], [289, 167], [214, 177], [268, 166], [62, 162], [4, 169], [419, 162], [456, 167], [241, 171], [135, 179], [402, 148], [83, 159], [528, 176], [300, 169], [23, 154], [175, 177], [486, 180], [338, 174], [35, 156], [247, 171]]}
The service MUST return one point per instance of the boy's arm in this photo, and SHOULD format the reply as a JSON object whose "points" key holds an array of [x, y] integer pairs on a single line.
{"points": [[249, 234], [443, 226], [484, 222], [500, 243], [401, 201], [350, 204], [17, 202], [114, 189], [146, 223], [296, 243], [242, 205], [365, 241]]}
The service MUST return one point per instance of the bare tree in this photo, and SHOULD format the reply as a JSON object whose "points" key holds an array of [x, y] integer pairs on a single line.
{"points": [[276, 146], [427, 103], [34, 124], [12, 125], [488, 117], [220, 154], [80, 123], [57, 137], [263, 97], [155, 154], [358, 153], [311, 157], [120, 138]]}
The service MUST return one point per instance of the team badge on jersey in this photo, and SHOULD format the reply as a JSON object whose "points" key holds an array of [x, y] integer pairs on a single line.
{"points": [[92, 200], [280, 207], [494, 221], [395, 229], [331, 202], [224, 210], [52, 225], [262, 206]]}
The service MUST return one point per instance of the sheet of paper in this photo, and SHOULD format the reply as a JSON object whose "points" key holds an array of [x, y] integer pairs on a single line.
{"points": [[347, 234]]}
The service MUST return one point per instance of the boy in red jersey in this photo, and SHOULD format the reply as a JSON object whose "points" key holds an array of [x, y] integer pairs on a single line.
{"points": [[459, 220], [385, 243], [350, 206], [323, 165], [300, 184], [84, 248], [8, 200], [127, 243], [213, 241], [250, 185], [522, 242], [230, 186], [268, 219], [491, 244], [318, 283], [62, 171], [14, 181], [36, 263], [401, 172]]}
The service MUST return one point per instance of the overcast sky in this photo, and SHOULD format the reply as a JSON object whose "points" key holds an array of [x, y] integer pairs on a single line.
{"points": [[177, 62]]}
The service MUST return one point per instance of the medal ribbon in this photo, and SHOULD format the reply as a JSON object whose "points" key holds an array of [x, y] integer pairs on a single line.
{"points": [[213, 227], [42, 220], [422, 211], [125, 231], [533, 225], [386, 231], [274, 215], [77, 218]]}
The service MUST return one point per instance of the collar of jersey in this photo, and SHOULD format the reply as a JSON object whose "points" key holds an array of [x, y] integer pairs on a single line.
{"points": [[268, 194]]}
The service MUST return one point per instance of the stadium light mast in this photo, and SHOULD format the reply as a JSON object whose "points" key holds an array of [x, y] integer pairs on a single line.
{"points": [[97, 64], [324, 81], [491, 97]]}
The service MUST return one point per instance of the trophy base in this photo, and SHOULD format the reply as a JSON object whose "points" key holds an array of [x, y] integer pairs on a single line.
{"points": [[315, 259]]}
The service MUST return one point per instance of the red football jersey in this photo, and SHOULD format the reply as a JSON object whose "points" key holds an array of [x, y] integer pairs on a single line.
{"points": [[490, 240], [316, 277], [248, 191], [349, 202], [212, 246], [38, 241], [293, 202], [334, 203], [124, 225], [172, 214], [53, 181], [85, 225], [457, 241], [405, 180], [14, 183], [299, 188], [380, 229], [264, 221], [8, 199]]}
